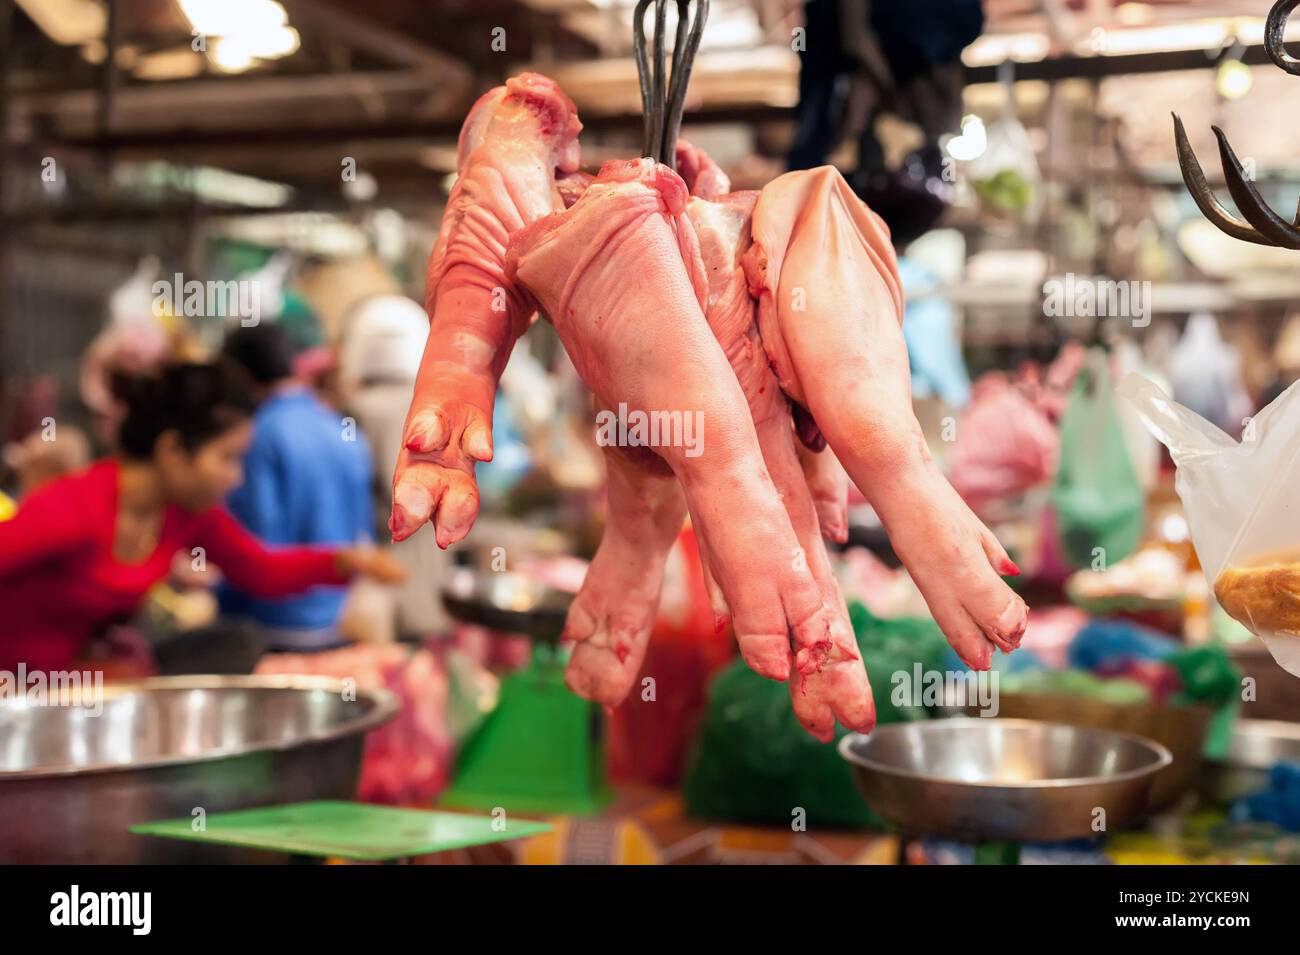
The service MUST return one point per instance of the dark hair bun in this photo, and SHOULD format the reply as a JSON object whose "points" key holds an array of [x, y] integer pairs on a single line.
{"points": [[198, 402], [131, 389], [264, 352]]}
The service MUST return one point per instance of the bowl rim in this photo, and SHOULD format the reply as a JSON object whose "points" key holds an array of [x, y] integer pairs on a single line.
{"points": [[1255, 729], [1163, 757], [385, 706]]}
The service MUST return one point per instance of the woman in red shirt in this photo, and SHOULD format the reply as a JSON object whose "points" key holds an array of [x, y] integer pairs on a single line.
{"points": [[84, 550]]}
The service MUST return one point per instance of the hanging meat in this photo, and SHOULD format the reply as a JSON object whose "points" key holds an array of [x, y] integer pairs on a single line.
{"points": [[830, 313], [770, 319], [621, 277], [515, 141]]}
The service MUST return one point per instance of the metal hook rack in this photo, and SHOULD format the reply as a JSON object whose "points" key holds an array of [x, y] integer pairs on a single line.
{"points": [[663, 95], [1260, 224]]}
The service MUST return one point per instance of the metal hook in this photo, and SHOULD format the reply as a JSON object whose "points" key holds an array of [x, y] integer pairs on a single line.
{"points": [[1206, 201], [1262, 225], [1275, 31], [1252, 205], [663, 96]]}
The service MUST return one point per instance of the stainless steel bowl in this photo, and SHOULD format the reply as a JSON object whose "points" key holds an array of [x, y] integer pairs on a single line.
{"points": [[73, 782], [983, 780], [1256, 746], [506, 601], [1180, 729]]}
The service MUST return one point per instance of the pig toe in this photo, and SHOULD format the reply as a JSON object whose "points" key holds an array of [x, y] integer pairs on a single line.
{"points": [[767, 654]]}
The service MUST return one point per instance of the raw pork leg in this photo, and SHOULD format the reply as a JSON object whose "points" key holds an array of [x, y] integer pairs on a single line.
{"points": [[819, 250], [621, 278], [826, 477], [614, 612], [514, 141], [836, 686], [829, 484]]}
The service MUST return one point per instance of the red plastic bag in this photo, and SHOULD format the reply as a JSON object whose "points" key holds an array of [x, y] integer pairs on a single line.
{"points": [[649, 738]]}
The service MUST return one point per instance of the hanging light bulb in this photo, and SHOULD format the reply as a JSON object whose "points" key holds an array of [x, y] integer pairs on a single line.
{"points": [[1233, 79], [971, 143], [243, 31], [227, 17], [231, 55]]}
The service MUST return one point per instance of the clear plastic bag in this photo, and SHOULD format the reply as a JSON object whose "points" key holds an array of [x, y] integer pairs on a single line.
{"points": [[1006, 174], [1241, 507]]}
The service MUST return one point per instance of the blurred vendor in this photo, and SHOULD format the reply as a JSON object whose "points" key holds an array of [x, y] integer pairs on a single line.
{"points": [[307, 480], [906, 52], [378, 361], [84, 550]]}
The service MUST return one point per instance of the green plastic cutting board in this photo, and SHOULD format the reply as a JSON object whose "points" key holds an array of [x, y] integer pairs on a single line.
{"points": [[346, 830]]}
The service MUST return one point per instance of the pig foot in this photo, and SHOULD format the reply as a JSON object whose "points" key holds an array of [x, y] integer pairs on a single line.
{"points": [[611, 618], [777, 609], [447, 432], [830, 681], [829, 486], [610, 621], [837, 688], [956, 563]]}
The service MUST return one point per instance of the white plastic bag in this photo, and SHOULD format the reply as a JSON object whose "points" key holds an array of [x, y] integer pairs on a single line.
{"points": [[1239, 497], [1205, 372], [1006, 174]]}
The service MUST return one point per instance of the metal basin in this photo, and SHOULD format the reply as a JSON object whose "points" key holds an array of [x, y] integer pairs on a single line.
{"points": [[506, 601], [1256, 746], [983, 780], [1180, 729], [72, 782]]}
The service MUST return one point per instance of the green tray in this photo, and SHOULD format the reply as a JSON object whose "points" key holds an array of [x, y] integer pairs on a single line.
{"points": [[346, 830]]}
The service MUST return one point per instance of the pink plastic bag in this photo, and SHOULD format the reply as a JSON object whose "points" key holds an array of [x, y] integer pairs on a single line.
{"points": [[1005, 445]]}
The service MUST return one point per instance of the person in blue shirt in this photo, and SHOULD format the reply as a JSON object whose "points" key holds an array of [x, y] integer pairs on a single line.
{"points": [[307, 480]]}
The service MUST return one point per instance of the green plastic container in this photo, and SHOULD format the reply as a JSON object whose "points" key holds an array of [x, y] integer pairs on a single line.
{"points": [[540, 751]]}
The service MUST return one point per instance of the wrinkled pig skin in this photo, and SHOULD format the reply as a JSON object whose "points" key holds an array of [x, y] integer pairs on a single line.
{"points": [[644, 340], [832, 683], [829, 484], [514, 142], [621, 277], [830, 309], [611, 618]]}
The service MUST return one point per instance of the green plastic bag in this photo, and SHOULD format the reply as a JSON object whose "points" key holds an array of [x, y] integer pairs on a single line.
{"points": [[753, 762], [1096, 495], [1210, 678]]}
